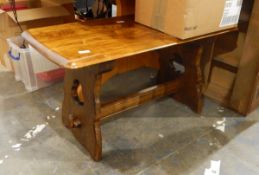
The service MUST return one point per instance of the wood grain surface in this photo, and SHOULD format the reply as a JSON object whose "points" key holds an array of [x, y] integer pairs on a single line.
{"points": [[82, 44]]}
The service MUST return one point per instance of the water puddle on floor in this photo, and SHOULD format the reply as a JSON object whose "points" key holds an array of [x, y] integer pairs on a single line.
{"points": [[28, 136], [220, 125], [214, 168]]}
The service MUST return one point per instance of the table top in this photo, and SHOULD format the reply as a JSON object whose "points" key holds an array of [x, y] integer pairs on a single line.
{"points": [[82, 44]]}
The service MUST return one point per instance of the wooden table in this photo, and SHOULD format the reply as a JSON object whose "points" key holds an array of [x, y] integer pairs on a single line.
{"points": [[93, 52]]}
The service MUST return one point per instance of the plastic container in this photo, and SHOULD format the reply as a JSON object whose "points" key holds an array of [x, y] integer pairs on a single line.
{"points": [[30, 67]]}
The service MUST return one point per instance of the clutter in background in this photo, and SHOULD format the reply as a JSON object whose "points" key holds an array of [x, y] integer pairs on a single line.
{"points": [[89, 9], [34, 70], [36, 14]]}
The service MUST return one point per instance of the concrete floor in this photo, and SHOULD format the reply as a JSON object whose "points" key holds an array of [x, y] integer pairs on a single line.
{"points": [[161, 137]]}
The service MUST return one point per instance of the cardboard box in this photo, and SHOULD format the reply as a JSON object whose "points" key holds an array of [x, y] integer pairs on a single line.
{"points": [[3, 51], [67, 4], [30, 18], [188, 18]]}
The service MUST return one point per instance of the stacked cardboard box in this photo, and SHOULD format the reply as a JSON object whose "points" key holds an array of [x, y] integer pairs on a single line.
{"points": [[188, 18]]}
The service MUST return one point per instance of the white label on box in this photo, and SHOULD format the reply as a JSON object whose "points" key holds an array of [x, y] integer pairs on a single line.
{"points": [[231, 12]]}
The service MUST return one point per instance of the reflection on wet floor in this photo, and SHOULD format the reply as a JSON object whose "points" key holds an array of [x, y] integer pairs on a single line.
{"points": [[161, 137]]}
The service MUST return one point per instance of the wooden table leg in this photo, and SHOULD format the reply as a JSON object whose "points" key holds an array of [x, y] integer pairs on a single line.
{"points": [[191, 93], [80, 113], [190, 56]]}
